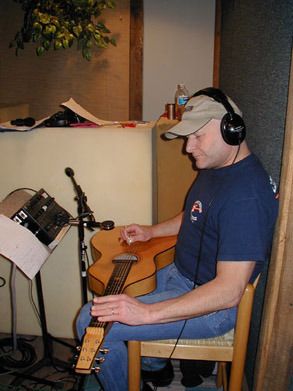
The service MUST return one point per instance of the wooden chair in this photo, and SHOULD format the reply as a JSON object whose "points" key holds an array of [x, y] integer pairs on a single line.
{"points": [[231, 347]]}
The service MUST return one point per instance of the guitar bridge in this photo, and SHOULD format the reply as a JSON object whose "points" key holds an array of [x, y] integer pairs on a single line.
{"points": [[125, 257]]}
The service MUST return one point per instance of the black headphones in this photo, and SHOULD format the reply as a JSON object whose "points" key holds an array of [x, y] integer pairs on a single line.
{"points": [[232, 125]]}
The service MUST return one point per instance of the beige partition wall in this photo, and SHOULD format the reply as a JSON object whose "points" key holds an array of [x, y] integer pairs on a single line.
{"points": [[112, 166]]}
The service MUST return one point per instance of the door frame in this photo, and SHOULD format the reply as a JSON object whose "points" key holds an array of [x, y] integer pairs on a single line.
{"points": [[136, 59], [272, 370]]}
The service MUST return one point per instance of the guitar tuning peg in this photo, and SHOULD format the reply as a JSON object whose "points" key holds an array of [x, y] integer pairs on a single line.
{"points": [[78, 348], [100, 360], [104, 350], [96, 369]]}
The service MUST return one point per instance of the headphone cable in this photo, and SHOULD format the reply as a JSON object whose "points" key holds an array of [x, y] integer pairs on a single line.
{"points": [[196, 272]]}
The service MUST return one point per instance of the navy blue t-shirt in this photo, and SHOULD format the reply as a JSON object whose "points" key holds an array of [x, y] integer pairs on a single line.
{"points": [[229, 215]]}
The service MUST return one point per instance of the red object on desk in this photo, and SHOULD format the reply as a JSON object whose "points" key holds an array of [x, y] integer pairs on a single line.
{"points": [[128, 125], [86, 124]]}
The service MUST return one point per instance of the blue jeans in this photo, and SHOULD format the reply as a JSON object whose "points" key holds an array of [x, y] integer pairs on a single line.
{"points": [[170, 283]]}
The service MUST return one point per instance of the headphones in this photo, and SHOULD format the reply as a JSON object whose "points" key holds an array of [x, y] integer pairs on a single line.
{"points": [[233, 129]]}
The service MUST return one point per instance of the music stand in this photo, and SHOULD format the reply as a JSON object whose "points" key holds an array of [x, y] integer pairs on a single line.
{"points": [[7, 208], [47, 360]]}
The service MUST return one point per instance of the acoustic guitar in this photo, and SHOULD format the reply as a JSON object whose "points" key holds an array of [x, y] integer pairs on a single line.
{"points": [[119, 268]]}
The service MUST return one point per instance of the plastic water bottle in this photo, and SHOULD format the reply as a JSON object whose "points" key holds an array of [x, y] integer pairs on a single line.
{"points": [[181, 97]]}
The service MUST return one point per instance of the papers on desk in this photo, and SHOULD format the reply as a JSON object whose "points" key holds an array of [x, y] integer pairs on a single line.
{"points": [[80, 111], [7, 127], [21, 246], [77, 109]]}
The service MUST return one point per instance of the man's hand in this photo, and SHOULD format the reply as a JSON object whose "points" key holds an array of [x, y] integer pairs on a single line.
{"points": [[120, 308], [134, 232]]}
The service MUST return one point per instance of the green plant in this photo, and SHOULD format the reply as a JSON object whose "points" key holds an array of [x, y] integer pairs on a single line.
{"points": [[57, 24]]}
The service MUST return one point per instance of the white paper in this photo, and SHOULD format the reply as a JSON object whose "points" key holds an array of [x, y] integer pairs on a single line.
{"points": [[22, 247], [77, 109], [6, 126]]}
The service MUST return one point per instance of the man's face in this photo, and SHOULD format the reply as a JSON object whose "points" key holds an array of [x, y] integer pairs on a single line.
{"points": [[208, 148]]}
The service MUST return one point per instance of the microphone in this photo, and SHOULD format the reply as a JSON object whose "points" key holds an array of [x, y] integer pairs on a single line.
{"points": [[106, 225], [69, 172]]}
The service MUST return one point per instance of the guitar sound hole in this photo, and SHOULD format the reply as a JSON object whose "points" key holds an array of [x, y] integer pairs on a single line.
{"points": [[125, 257]]}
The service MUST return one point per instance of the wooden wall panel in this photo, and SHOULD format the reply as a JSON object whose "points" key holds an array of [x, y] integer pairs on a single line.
{"points": [[217, 44], [100, 85], [274, 361], [136, 58]]}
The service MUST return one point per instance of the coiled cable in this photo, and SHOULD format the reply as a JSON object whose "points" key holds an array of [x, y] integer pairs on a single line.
{"points": [[22, 356]]}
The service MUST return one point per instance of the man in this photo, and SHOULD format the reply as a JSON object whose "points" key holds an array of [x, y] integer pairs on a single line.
{"points": [[224, 238]]}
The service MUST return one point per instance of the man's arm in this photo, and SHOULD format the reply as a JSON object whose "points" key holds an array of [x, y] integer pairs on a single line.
{"points": [[135, 232], [224, 291]]}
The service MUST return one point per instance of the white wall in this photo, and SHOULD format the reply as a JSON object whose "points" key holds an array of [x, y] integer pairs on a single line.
{"points": [[178, 48]]}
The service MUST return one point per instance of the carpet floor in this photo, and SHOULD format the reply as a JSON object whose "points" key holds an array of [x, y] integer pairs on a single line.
{"points": [[36, 366]]}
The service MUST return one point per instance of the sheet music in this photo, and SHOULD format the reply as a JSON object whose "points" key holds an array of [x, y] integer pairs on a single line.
{"points": [[22, 247]]}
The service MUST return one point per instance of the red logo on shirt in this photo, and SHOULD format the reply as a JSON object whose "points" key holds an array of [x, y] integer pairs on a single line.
{"points": [[195, 210]]}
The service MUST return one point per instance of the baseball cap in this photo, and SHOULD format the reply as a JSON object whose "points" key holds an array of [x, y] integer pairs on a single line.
{"points": [[199, 110]]}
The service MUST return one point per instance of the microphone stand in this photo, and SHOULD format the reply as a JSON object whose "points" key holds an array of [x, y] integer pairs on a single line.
{"points": [[83, 210]]}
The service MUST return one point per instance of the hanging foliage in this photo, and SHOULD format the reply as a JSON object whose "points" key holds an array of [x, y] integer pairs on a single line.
{"points": [[57, 24]]}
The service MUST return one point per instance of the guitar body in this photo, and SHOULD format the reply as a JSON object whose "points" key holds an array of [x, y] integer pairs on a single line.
{"points": [[151, 256]]}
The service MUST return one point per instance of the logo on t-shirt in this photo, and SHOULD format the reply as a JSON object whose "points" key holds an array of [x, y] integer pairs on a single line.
{"points": [[274, 187], [195, 211]]}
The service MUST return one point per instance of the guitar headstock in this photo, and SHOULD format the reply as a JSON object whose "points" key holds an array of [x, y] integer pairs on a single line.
{"points": [[91, 343]]}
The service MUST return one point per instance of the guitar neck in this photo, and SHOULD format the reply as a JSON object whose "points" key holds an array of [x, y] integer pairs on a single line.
{"points": [[96, 330], [115, 285]]}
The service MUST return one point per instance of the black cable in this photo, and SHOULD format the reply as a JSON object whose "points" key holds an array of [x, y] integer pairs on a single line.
{"points": [[21, 188], [9, 358], [8, 387], [202, 233], [33, 303], [2, 282]]}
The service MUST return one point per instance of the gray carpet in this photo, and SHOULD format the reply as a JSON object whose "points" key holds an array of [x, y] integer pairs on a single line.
{"points": [[209, 384], [59, 377]]}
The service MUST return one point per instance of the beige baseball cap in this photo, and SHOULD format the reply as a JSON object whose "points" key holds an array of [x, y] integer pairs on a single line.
{"points": [[198, 112]]}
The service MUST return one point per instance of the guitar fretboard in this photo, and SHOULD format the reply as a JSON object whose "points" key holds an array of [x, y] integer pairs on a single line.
{"points": [[123, 264]]}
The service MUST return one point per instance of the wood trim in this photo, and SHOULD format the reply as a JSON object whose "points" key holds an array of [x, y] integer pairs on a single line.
{"points": [[136, 59], [273, 362], [217, 44]]}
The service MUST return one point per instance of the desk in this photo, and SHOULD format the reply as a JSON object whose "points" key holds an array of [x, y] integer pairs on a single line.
{"points": [[112, 165]]}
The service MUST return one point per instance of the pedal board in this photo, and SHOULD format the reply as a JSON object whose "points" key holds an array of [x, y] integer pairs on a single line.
{"points": [[41, 215]]}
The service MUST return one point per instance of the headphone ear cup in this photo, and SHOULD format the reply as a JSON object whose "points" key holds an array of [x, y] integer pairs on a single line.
{"points": [[233, 129]]}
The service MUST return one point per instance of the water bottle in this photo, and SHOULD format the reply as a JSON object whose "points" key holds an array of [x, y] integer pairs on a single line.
{"points": [[181, 97]]}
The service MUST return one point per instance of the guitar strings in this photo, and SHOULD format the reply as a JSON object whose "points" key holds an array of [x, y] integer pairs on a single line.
{"points": [[118, 276]]}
